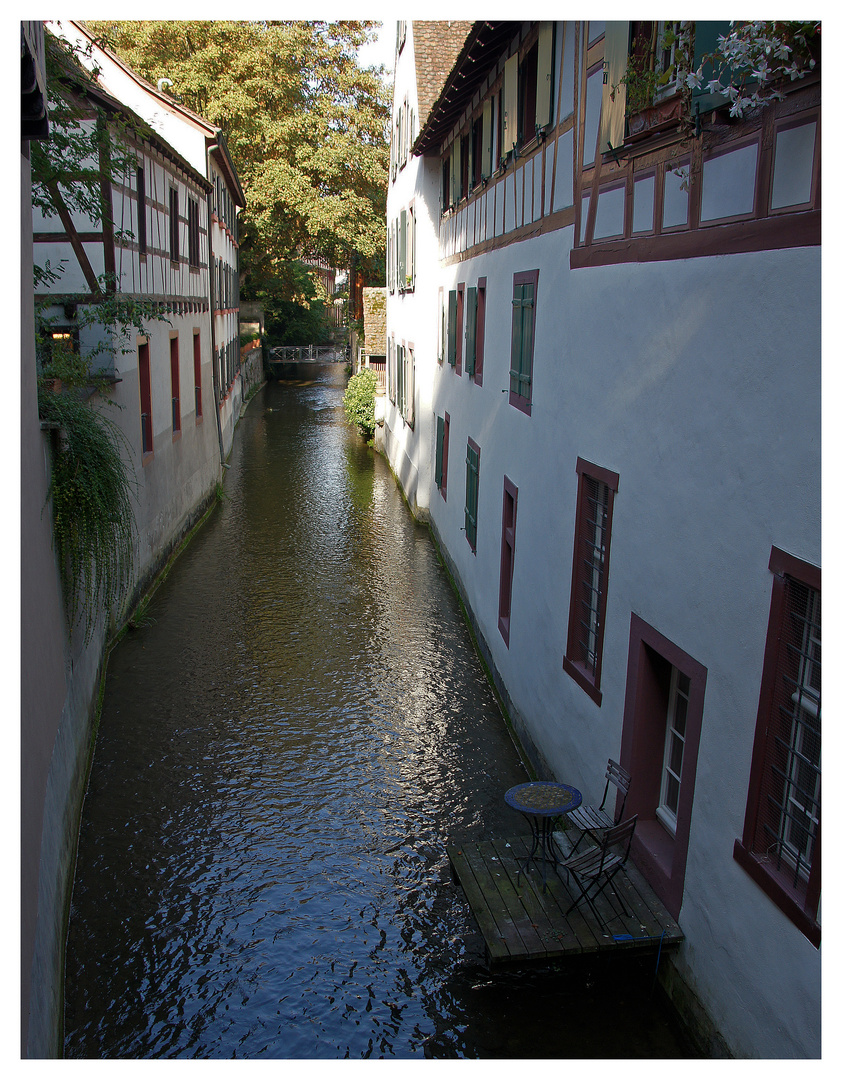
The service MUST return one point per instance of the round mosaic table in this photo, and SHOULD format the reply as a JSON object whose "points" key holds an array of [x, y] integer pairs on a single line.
{"points": [[541, 802]]}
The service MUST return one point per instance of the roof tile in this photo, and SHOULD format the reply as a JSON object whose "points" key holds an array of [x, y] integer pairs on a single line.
{"points": [[437, 44]]}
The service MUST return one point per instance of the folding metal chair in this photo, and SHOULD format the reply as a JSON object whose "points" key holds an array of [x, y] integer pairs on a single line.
{"points": [[594, 819], [598, 865]]}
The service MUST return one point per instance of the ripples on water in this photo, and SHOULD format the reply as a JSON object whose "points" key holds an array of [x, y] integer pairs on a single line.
{"points": [[284, 752]]}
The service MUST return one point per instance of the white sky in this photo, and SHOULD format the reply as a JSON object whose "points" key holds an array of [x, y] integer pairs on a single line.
{"points": [[382, 51]]}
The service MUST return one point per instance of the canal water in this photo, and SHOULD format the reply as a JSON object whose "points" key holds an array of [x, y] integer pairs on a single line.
{"points": [[286, 746]]}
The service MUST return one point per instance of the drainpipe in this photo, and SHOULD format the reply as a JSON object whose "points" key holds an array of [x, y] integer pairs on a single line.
{"points": [[216, 386]]}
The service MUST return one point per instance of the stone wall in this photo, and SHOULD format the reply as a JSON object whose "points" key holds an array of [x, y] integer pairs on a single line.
{"points": [[374, 315]]}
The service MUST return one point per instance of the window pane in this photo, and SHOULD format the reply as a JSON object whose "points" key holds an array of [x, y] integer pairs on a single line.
{"points": [[680, 717], [675, 199], [644, 204], [610, 213], [676, 755], [792, 180], [728, 184], [671, 795]]}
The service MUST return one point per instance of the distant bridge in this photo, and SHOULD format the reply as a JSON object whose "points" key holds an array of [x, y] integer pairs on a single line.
{"points": [[315, 354], [292, 361]]}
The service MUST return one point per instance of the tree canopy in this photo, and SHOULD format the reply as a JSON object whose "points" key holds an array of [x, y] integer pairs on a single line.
{"points": [[307, 128]]}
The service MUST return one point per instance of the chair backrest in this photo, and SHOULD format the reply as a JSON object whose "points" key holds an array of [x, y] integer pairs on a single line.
{"points": [[620, 837], [615, 774]]}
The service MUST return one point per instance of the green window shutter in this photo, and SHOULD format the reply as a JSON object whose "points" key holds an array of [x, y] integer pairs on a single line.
{"points": [[402, 252], [517, 340], [544, 89], [706, 41], [527, 313], [442, 328], [509, 105], [456, 170], [523, 303], [613, 126], [471, 328], [410, 387], [439, 449], [486, 140], [451, 328], [410, 249], [471, 495], [399, 366]]}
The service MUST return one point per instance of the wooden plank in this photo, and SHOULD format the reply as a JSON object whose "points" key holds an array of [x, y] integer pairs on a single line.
{"points": [[520, 934], [495, 941], [535, 911], [506, 941], [573, 932]]}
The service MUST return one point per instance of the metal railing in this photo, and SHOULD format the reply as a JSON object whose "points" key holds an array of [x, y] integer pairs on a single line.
{"points": [[321, 354], [379, 366]]}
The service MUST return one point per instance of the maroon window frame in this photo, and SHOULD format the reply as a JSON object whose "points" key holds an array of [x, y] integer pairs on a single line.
{"points": [[145, 398], [460, 324], [507, 557], [660, 856], [799, 902], [589, 582]]}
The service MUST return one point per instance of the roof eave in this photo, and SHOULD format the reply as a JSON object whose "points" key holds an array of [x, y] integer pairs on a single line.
{"points": [[483, 47], [217, 145]]}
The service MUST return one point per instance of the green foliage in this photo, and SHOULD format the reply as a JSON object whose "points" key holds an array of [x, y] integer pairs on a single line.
{"points": [[644, 77], [296, 319], [307, 127], [90, 492], [359, 401]]}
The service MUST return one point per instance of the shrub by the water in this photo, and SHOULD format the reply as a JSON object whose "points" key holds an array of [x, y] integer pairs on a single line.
{"points": [[359, 401]]}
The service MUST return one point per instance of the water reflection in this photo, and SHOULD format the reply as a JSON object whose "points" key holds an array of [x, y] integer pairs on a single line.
{"points": [[284, 752]]}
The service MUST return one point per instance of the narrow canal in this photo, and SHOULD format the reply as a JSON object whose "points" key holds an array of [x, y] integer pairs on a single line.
{"points": [[286, 746]]}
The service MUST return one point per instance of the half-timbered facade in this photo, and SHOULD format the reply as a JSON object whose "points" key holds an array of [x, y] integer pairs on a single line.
{"points": [[203, 145], [151, 245], [604, 393]]}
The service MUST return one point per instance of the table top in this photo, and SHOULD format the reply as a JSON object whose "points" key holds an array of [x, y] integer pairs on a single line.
{"points": [[542, 798]]}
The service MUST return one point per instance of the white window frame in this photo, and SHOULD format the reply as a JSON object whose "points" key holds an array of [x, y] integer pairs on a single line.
{"points": [[664, 812], [664, 58]]}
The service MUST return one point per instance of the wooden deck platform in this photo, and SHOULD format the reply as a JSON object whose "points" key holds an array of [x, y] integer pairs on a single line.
{"points": [[522, 925]]}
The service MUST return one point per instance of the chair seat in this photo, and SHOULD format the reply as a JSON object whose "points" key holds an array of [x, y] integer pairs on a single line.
{"points": [[592, 863], [590, 819]]}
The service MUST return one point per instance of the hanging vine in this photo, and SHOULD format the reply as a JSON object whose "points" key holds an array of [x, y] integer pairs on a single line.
{"points": [[91, 486]]}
